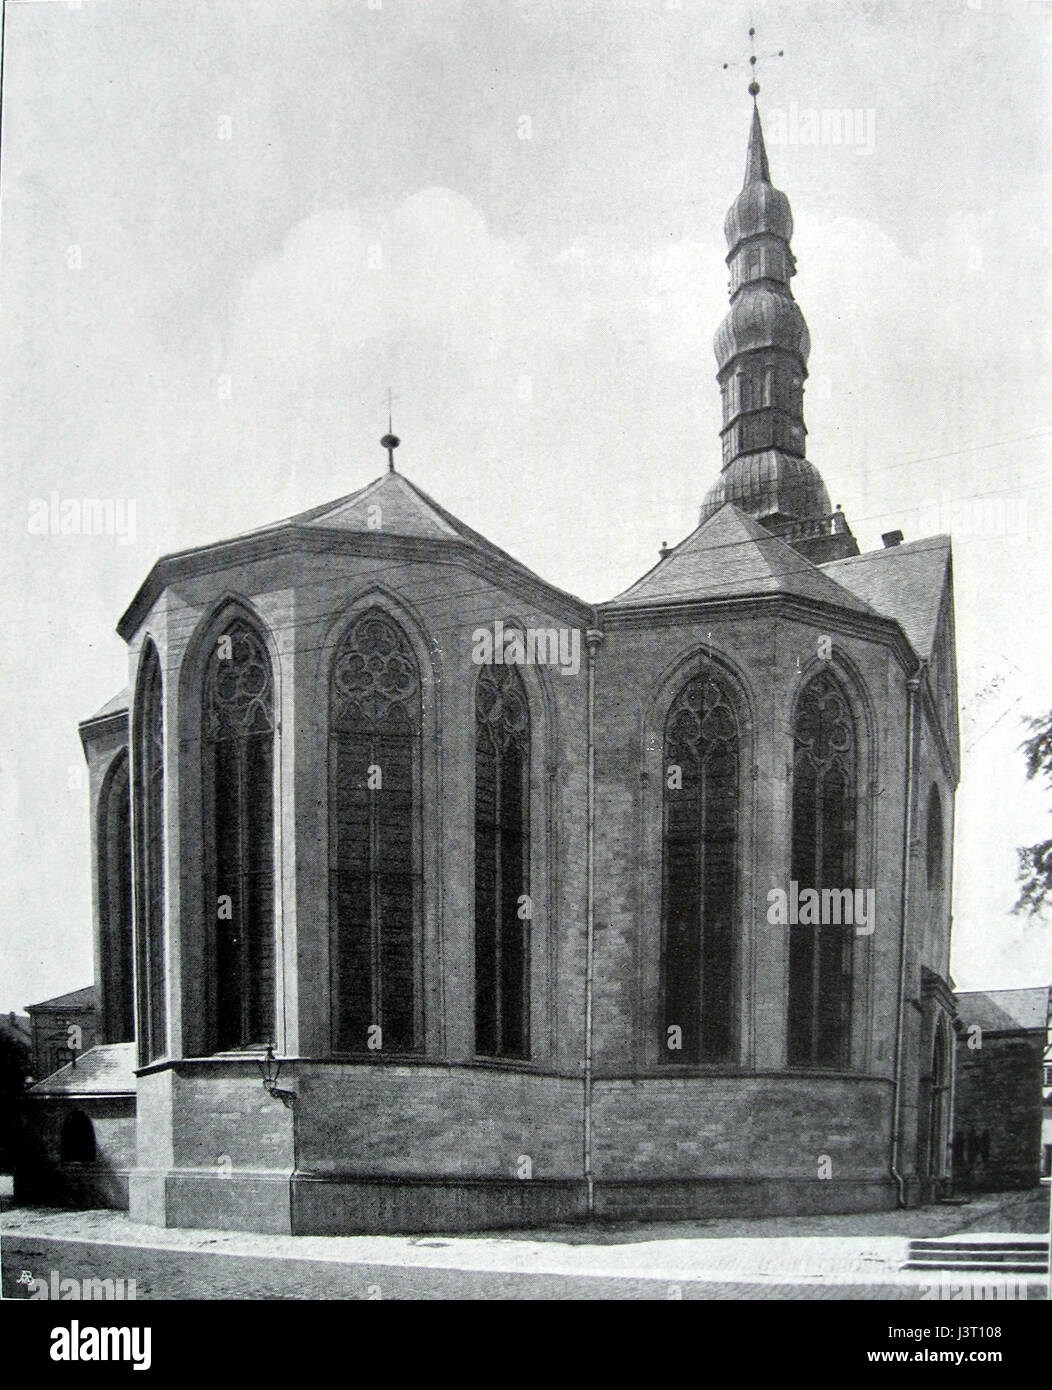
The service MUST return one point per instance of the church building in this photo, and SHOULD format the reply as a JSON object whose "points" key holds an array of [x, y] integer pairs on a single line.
{"points": [[431, 897]]}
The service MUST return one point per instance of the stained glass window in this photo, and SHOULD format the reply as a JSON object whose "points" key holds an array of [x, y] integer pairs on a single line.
{"points": [[823, 857], [375, 724], [700, 847], [503, 909], [238, 748]]}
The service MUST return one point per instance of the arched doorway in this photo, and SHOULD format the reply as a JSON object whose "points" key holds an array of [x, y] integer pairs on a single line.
{"points": [[78, 1139]]}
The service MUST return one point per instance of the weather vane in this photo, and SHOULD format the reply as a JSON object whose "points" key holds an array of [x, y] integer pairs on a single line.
{"points": [[390, 441], [754, 86]]}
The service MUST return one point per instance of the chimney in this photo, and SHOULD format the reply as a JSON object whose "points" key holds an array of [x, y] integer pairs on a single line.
{"points": [[891, 539]]}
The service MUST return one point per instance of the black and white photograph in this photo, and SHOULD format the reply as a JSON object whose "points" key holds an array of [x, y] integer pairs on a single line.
{"points": [[527, 690]]}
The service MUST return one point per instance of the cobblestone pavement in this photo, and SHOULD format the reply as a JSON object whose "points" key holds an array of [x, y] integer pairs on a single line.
{"points": [[845, 1257], [188, 1274]]}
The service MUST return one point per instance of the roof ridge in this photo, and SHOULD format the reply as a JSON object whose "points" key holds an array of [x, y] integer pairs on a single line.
{"points": [[941, 540]]}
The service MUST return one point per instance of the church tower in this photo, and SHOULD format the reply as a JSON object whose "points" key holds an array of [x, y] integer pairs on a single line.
{"points": [[663, 928], [762, 347]]}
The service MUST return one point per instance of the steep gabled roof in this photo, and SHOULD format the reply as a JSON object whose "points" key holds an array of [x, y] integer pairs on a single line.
{"points": [[393, 506], [904, 582], [405, 512], [729, 556]]}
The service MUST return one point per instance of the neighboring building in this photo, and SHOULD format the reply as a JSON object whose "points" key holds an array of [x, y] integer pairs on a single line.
{"points": [[514, 929], [18, 1028], [1004, 1088], [62, 1029], [78, 1143]]}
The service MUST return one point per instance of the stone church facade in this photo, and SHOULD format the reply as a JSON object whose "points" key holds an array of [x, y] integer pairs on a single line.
{"points": [[510, 929]]}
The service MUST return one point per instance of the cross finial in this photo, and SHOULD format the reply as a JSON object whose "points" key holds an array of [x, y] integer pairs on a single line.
{"points": [[754, 86], [390, 441]]}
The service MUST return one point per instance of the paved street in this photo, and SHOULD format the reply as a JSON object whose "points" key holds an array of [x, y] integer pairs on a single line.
{"points": [[844, 1257], [183, 1274]]}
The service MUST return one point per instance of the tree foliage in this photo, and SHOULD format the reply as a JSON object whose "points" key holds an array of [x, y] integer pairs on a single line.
{"points": [[1035, 861]]}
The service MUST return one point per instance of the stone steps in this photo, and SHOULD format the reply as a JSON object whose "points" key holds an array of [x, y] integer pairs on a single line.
{"points": [[1012, 1255]]}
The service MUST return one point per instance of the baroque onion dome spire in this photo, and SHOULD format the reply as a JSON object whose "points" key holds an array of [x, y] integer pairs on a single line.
{"points": [[762, 347]]}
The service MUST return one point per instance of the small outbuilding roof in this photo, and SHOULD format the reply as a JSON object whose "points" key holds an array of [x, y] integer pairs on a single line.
{"points": [[107, 1070], [1006, 1010]]}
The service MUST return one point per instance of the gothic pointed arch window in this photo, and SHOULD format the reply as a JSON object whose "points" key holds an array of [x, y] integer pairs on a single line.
{"points": [[502, 864], [113, 841], [238, 765], [700, 872], [934, 840], [374, 812], [149, 844], [823, 859]]}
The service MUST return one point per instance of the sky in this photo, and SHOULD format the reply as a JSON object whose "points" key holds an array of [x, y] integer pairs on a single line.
{"points": [[228, 229]]}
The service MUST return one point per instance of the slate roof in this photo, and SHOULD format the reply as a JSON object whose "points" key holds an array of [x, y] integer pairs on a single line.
{"points": [[1005, 1010], [731, 555], [119, 704], [76, 999], [904, 582], [108, 1069], [406, 511]]}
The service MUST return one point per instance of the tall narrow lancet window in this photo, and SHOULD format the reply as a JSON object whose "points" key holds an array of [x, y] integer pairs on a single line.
{"points": [[823, 858], [699, 888], [933, 838], [115, 902], [502, 864], [938, 1101], [375, 725], [238, 757], [149, 878]]}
